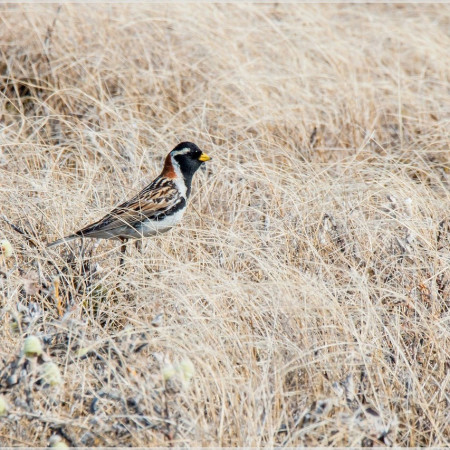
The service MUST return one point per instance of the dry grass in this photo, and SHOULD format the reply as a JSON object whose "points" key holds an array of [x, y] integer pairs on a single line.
{"points": [[309, 284]]}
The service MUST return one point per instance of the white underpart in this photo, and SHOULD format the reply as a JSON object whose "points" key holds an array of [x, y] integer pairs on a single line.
{"points": [[150, 227], [179, 180]]}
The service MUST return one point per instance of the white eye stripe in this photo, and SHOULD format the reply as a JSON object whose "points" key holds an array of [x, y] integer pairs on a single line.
{"points": [[183, 151]]}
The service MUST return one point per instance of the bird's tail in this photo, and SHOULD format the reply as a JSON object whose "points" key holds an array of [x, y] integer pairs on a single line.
{"points": [[63, 240]]}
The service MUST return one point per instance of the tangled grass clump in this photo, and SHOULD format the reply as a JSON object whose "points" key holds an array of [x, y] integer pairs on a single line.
{"points": [[304, 300]]}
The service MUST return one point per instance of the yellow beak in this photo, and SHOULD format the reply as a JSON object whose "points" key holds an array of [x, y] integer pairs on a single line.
{"points": [[204, 157]]}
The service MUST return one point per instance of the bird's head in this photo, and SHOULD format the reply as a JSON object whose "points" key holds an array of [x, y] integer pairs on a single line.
{"points": [[184, 160]]}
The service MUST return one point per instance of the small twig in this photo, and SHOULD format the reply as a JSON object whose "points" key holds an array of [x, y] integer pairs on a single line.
{"points": [[168, 432], [49, 33], [336, 232], [313, 137], [30, 239], [443, 231]]}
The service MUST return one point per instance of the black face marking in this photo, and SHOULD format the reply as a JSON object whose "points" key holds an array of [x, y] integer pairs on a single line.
{"points": [[187, 156]]}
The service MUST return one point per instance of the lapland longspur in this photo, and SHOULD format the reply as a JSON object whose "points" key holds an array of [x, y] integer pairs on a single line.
{"points": [[157, 208]]}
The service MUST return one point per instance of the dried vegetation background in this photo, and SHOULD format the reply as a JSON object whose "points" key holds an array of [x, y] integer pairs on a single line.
{"points": [[304, 301]]}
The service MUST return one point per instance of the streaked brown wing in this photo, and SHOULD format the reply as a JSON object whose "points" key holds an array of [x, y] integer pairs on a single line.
{"points": [[152, 202]]}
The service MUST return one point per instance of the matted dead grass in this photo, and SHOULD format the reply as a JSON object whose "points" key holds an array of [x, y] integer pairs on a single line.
{"points": [[304, 300]]}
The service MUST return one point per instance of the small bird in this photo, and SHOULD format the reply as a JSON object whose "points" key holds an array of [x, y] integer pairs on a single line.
{"points": [[156, 209]]}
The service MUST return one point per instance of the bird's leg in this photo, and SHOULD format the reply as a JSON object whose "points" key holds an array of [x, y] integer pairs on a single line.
{"points": [[123, 248], [138, 245], [84, 261]]}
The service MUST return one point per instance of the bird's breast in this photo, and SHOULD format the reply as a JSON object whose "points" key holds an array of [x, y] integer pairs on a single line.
{"points": [[151, 227]]}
